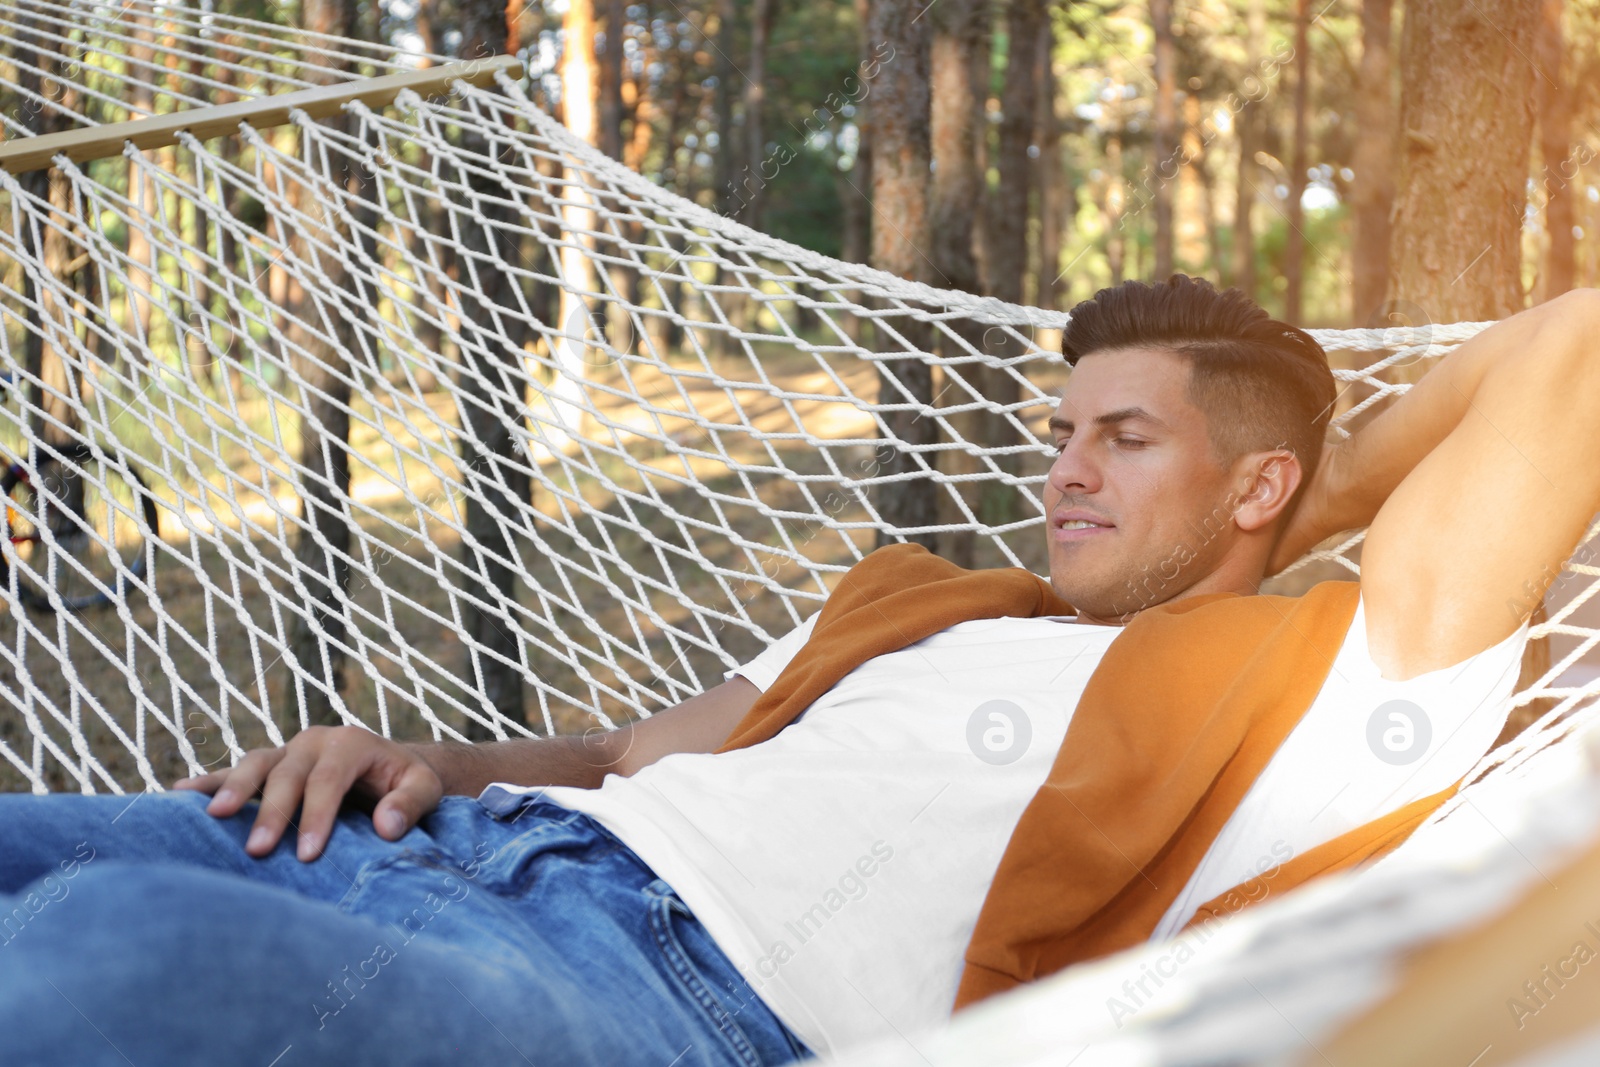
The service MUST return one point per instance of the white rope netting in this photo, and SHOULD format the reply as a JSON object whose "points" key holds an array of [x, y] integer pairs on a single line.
{"points": [[457, 428]]}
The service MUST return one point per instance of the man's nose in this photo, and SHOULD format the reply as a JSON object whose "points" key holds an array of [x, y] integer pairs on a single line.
{"points": [[1076, 469]]}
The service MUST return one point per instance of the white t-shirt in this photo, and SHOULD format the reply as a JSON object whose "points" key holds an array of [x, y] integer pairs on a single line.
{"points": [[845, 885]]}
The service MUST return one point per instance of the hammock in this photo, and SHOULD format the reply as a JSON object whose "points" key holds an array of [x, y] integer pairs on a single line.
{"points": [[399, 405], [449, 423]]}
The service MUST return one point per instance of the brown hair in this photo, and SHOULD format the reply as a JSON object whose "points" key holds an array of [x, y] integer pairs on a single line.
{"points": [[1261, 383]]}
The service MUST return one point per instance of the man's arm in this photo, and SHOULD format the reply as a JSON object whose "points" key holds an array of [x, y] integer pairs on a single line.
{"points": [[1476, 485], [320, 766], [699, 724]]}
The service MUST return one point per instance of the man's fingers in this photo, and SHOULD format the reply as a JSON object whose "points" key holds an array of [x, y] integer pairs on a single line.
{"points": [[325, 789], [313, 774], [416, 794], [203, 783], [242, 782], [280, 796]]}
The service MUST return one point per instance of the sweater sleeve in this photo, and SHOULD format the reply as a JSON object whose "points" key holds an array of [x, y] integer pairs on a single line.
{"points": [[764, 669]]}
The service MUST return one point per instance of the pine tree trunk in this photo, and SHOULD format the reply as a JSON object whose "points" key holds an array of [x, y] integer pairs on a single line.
{"points": [[1249, 123], [323, 543], [1198, 239], [901, 136], [1374, 164], [855, 185], [1008, 239], [1164, 143], [610, 80], [141, 256], [578, 325], [1559, 161], [50, 420], [755, 101], [1050, 282], [1116, 193], [1295, 240], [494, 467], [727, 157], [1467, 84], [960, 40], [201, 367]]}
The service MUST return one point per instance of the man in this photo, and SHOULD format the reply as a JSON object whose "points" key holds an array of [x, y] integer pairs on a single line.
{"points": [[641, 897]]}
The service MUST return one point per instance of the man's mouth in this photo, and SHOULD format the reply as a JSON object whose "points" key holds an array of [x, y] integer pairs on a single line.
{"points": [[1076, 527]]}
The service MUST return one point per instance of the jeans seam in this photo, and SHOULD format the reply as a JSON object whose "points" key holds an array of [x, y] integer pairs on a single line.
{"points": [[689, 977]]}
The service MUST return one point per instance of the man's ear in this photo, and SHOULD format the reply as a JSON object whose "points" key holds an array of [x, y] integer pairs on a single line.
{"points": [[1268, 481]]}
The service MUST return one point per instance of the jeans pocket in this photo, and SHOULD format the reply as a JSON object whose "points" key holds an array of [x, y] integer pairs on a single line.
{"points": [[503, 805], [668, 915]]}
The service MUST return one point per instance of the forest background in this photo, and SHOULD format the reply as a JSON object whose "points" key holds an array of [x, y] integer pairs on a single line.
{"points": [[1345, 162]]}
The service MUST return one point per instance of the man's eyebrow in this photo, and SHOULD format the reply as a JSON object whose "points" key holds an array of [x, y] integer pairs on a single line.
{"points": [[1108, 419]]}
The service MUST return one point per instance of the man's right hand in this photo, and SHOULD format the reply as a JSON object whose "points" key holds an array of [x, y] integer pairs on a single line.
{"points": [[314, 772]]}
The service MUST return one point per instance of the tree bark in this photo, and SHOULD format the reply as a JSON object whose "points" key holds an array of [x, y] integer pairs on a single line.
{"points": [[727, 158], [427, 11], [199, 337], [1559, 160], [958, 56], [51, 419], [494, 468], [901, 136], [610, 75], [1050, 285], [579, 272], [323, 543], [1372, 198], [1200, 240], [1008, 238], [855, 185], [1467, 83], [1164, 143], [1249, 122], [227, 244], [1116, 193], [141, 256], [1008, 218], [1295, 239], [755, 179]]}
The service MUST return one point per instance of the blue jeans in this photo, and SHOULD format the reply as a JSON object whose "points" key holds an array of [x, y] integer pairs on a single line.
{"points": [[136, 929]]}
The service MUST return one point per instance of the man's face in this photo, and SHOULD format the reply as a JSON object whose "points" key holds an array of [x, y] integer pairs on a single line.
{"points": [[1135, 460]]}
